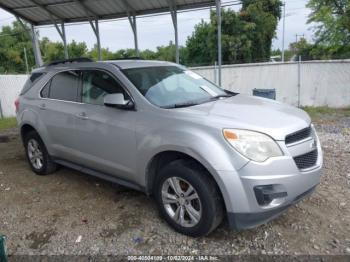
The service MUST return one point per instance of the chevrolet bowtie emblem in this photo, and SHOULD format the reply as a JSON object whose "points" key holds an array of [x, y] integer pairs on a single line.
{"points": [[313, 143]]}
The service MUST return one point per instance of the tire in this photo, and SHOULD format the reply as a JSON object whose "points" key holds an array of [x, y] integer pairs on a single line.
{"points": [[208, 207], [46, 166]]}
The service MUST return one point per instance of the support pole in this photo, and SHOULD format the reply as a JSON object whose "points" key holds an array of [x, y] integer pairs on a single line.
{"points": [[215, 72], [26, 60], [299, 80], [36, 47], [132, 20], [218, 14], [96, 30], [66, 56], [62, 32], [35, 43], [98, 40], [173, 12]]}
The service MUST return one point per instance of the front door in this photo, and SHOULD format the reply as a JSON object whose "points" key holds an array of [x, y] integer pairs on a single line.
{"points": [[105, 135]]}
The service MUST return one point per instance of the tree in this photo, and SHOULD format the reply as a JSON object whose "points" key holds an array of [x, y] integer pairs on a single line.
{"points": [[200, 45], [261, 17], [105, 53], [288, 54], [246, 35], [168, 53], [55, 50], [13, 40], [77, 49], [302, 48], [332, 18], [51, 50], [332, 29]]}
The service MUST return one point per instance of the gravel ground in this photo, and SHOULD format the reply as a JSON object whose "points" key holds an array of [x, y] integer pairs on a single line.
{"points": [[47, 215]]}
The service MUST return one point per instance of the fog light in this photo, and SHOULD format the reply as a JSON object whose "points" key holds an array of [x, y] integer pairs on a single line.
{"points": [[266, 193]]}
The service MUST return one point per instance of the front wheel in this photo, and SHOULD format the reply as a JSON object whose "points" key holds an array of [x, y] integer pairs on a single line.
{"points": [[188, 198]]}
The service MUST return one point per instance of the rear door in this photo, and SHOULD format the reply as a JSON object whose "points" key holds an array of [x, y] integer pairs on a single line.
{"points": [[105, 135], [59, 108]]}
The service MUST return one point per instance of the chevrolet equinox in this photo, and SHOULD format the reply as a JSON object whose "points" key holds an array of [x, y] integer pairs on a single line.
{"points": [[202, 152]]}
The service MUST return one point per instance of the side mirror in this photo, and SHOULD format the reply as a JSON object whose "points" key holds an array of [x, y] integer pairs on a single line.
{"points": [[117, 100]]}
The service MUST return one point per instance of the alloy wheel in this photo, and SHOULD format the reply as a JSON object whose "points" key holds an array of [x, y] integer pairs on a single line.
{"points": [[181, 201], [35, 154]]}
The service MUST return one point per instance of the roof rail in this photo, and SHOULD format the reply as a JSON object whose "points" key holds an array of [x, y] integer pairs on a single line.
{"points": [[130, 58], [72, 60]]}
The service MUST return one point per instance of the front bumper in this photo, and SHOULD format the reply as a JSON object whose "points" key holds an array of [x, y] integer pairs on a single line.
{"points": [[281, 173], [251, 220]]}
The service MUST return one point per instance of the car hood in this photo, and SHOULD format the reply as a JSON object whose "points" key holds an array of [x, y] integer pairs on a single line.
{"points": [[253, 113]]}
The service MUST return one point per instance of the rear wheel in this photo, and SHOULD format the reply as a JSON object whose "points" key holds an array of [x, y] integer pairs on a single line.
{"points": [[188, 198], [37, 155]]}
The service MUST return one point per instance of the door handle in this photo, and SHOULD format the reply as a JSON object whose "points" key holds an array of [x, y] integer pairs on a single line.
{"points": [[82, 116], [42, 106]]}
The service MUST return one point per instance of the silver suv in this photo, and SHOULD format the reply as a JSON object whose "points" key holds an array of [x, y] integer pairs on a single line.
{"points": [[203, 152]]}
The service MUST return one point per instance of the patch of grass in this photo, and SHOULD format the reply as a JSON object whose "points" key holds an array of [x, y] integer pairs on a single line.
{"points": [[6, 123], [319, 112]]}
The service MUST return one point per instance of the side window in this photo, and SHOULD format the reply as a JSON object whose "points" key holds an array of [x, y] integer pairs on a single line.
{"points": [[64, 86], [46, 90], [97, 84]]}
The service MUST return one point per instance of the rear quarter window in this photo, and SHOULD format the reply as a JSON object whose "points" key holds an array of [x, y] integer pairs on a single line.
{"points": [[34, 77], [64, 86]]}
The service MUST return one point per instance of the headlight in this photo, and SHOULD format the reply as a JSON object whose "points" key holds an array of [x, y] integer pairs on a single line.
{"points": [[253, 145]]}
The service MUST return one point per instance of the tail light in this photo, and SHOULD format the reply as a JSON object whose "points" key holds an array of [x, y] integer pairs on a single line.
{"points": [[17, 104]]}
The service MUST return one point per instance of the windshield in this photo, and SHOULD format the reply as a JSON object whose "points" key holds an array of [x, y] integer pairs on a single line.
{"points": [[171, 86]]}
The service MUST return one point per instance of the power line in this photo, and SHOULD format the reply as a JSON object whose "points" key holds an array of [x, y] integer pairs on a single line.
{"points": [[7, 18]]}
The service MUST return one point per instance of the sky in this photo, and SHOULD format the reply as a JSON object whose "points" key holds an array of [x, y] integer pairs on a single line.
{"points": [[158, 30]]}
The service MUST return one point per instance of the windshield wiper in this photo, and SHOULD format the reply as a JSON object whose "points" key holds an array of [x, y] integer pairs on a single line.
{"points": [[179, 105], [194, 103], [220, 96]]}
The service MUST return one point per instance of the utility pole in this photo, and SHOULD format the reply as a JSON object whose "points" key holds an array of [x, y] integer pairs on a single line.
{"points": [[296, 37], [283, 30]]}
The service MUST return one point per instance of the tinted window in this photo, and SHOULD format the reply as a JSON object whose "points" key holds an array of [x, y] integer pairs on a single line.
{"points": [[64, 86], [45, 91], [97, 84], [31, 81]]}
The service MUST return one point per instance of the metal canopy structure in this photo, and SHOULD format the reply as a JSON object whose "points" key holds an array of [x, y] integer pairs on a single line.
{"points": [[60, 12]]}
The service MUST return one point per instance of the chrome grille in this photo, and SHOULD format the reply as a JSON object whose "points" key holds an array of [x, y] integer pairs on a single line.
{"points": [[306, 160], [297, 136]]}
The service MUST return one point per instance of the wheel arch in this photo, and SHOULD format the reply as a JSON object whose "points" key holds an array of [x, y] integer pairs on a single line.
{"points": [[161, 159], [25, 129]]}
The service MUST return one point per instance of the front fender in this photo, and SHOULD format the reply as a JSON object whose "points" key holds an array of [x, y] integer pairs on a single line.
{"points": [[208, 147]]}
